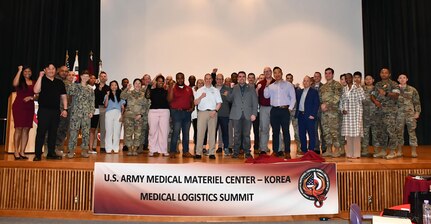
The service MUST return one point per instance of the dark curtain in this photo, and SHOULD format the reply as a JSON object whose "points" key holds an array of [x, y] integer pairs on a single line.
{"points": [[397, 35], [35, 32]]}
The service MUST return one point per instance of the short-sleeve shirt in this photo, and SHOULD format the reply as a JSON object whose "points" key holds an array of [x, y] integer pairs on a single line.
{"points": [[50, 93], [210, 101], [181, 98]]}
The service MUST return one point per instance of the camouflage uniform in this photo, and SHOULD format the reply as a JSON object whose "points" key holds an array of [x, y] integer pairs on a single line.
{"points": [[408, 104], [137, 104], [81, 107], [294, 121], [369, 122], [330, 94], [388, 115]]}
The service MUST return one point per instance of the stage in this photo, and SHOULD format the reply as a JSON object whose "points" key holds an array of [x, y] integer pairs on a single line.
{"points": [[63, 188]]}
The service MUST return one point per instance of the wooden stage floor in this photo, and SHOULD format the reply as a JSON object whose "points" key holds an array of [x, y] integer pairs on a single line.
{"points": [[372, 183], [422, 161]]}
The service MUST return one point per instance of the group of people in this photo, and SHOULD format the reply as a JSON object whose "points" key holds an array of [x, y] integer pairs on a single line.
{"points": [[338, 117]]}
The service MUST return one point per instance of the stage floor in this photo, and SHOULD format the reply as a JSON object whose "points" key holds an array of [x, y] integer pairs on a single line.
{"points": [[363, 163], [358, 181]]}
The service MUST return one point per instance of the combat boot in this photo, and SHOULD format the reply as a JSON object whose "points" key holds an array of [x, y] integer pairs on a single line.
{"points": [[337, 153], [342, 150], [84, 153], [399, 152], [328, 152], [391, 154], [130, 152], [380, 154], [414, 153], [134, 151]]}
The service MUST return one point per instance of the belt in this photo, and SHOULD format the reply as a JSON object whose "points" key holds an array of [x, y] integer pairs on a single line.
{"points": [[206, 110], [282, 107], [179, 109]]}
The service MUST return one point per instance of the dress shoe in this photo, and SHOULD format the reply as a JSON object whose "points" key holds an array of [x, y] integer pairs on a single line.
{"points": [[248, 155], [198, 157], [287, 156], [53, 157], [262, 153], [37, 158], [219, 150], [235, 156], [125, 148], [187, 155], [212, 157], [280, 154], [23, 156], [17, 157], [102, 150]]}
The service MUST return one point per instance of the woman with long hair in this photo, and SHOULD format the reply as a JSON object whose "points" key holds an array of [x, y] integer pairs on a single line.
{"points": [[22, 110], [114, 107]]}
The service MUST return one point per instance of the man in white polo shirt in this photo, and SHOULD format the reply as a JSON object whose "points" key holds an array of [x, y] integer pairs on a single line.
{"points": [[208, 100]]}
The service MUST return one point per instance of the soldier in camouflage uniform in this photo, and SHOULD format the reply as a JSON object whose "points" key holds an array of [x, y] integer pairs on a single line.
{"points": [[330, 94], [342, 139], [409, 109], [369, 118], [293, 118], [146, 80], [385, 98], [135, 114], [81, 111]]}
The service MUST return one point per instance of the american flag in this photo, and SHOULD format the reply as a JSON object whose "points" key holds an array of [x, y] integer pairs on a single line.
{"points": [[67, 60]]}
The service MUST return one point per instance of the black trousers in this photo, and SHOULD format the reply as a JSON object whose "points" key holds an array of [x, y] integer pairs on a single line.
{"points": [[280, 117], [48, 120], [256, 132]]}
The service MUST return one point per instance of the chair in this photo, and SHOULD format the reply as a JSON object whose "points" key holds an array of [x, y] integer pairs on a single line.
{"points": [[355, 214]]}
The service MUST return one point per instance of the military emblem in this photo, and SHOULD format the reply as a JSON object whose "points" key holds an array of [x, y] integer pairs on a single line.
{"points": [[314, 185]]}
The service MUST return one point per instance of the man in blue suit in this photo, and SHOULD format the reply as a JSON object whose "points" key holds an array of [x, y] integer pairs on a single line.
{"points": [[306, 112]]}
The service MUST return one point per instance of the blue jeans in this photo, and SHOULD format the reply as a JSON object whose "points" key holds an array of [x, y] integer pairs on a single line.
{"points": [[181, 122], [280, 117]]}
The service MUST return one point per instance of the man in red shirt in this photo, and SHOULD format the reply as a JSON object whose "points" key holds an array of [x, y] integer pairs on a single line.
{"points": [[180, 98], [264, 110]]}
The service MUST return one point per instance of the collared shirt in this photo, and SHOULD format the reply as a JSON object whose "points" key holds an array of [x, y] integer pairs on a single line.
{"points": [[50, 93], [282, 93], [181, 97], [263, 101], [302, 100], [210, 101]]}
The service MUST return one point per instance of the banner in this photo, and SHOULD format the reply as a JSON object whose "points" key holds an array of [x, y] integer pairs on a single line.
{"points": [[200, 189]]}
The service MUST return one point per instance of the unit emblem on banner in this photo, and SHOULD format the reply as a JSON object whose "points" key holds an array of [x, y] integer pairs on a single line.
{"points": [[314, 185]]}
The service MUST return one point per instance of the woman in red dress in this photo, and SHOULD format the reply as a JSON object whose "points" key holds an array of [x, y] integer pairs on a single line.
{"points": [[22, 110]]}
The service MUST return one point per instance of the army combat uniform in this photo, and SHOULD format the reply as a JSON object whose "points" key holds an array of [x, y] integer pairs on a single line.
{"points": [[369, 122], [330, 94], [81, 108], [387, 114], [134, 118], [408, 105]]}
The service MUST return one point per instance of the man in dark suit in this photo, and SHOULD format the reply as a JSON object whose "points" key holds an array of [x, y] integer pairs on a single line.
{"points": [[306, 112], [320, 141], [242, 114]]}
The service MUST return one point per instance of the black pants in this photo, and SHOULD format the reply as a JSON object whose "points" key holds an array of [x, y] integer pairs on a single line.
{"points": [[48, 120], [280, 117], [256, 132]]}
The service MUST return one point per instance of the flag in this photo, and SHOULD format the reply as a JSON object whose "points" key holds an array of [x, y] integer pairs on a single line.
{"points": [[90, 67], [76, 67], [100, 67], [67, 60]]}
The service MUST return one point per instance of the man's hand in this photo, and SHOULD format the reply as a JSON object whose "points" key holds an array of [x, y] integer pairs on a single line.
{"points": [[213, 114], [324, 107], [311, 117], [41, 74], [225, 93], [378, 104], [90, 115], [215, 70], [203, 95], [252, 118], [137, 117], [382, 92], [63, 113], [416, 116]]}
